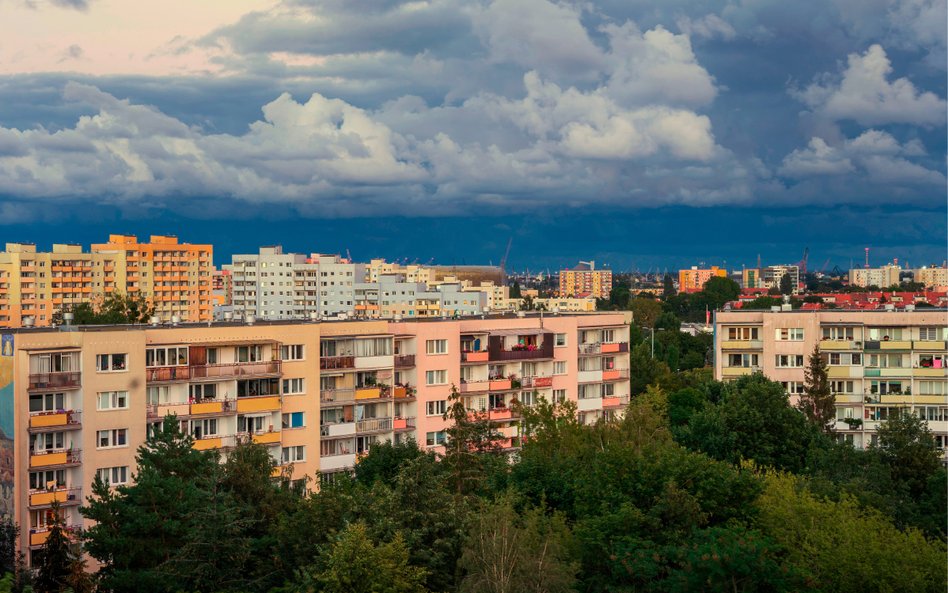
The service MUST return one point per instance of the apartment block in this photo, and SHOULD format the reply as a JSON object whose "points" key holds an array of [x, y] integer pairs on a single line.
{"points": [[934, 277], [586, 281], [693, 279], [880, 362], [76, 402], [883, 277], [771, 276]]}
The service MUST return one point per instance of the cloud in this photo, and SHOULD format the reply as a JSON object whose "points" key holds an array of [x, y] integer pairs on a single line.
{"points": [[874, 156], [865, 95], [710, 26]]}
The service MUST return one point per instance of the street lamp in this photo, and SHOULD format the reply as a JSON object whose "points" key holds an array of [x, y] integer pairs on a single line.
{"points": [[652, 329]]}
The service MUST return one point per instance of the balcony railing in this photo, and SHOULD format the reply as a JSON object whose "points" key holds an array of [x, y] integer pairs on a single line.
{"points": [[374, 425], [167, 374], [62, 380], [404, 423], [64, 496], [51, 458], [537, 382], [237, 369], [39, 535], [337, 362], [479, 356], [58, 420], [403, 361], [496, 351], [337, 395]]}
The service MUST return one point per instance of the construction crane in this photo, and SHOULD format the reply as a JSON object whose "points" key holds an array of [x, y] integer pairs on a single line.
{"points": [[825, 265], [802, 263]]}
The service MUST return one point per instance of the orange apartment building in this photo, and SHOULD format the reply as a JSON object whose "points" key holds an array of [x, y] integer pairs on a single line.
{"points": [[175, 277], [692, 280], [78, 401]]}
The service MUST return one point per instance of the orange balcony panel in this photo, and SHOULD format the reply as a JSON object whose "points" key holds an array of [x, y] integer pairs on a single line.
{"points": [[258, 404], [475, 356], [611, 402], [48, 459], [368, 393], [473, 386], [267, 438], [44, 420], [205, 444], [608, 348], [277, 471], [400, 391], [611, 375], [500, 385], [399, 423], [39, 538], [501, 414], [63, 495]]}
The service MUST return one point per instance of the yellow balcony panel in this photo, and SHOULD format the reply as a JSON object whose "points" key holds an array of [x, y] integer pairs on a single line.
{"points": [[207, 408], [930, 372], [258, 404], [930, 399], [895, 345], [895, 372], [842, 372], [48, 459], [267, 438], [929, 345], [39, 538], [205, 444], [836, 345], [736, 371], [277, 471], [62, 496], [368, 393], [742, 345], [43, 420]]}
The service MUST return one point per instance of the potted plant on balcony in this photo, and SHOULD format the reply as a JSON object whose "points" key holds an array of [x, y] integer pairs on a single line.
{"points": [[853, 423], [515, 383]]}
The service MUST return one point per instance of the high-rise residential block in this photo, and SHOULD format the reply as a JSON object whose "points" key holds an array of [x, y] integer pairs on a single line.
{"points": [[880, 362], [175, 278], [884, 277], [586, 281], [76, 402], [693, 279], [933, 277], [771, 276]]}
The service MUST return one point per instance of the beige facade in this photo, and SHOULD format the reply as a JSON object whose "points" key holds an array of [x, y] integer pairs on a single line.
{"points": [[82, 399], [933, 278], [883, 277], [586, 281], [880, 362]]}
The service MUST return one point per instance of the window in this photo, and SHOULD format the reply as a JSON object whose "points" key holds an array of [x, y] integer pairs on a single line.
{"points": [[928, 333], [108, 363], [107, 439], [743, 360], [436, 408], [932, 387], [293, 420], [560, 340], [436, 346], [47, 402], [792, 387], [250, 353], [841, 386], [48, 480], [789, 361], [291, 352], [433, 439], [254, 424], [113, 476], [112, 400], [792, 334], [291, 454], [203, 429], [559, 396], [293, 386], [164, 357], [156, 394], [743, 333], [559, 367], [845, 358], [373, 347], [838, 333], [436, 378]]}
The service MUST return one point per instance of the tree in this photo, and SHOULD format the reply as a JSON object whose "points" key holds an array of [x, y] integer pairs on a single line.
{"points": [[357, 565], [908, 447], [645, 311], [720, 290], [515, 290], [645, 370], [511, 552], [57, 557], [384, 461], [113, 308], [9, 531], [470, 443], [786, 284], [668, 286], [817, 401]]}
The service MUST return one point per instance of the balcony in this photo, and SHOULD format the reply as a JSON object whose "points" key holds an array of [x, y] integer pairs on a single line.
{"points": [[337, 395], [929, 345], [840, 345], [615, 374], [39, 535], [49, 381], [168, 374], [155, 411], [208, 443], [403, 424], [403, 392], [613, 347], [930, 372], [738, 371], [270, 437], [499, 384], [55, 458], [237, 369], [368, 393], [404, 361], [336, 362], [374, 425], [895, 345], [258, 403], [211, 407], [475, 386], [615, 402], [63, 496], [497, 352], [50, 421], [537, 382], [337, 429], [482, 356], [742, 345]]}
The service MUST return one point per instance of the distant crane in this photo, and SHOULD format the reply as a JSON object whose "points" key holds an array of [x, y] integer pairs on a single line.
{"points": [[825, 265], [802, 263], [503, 262]]}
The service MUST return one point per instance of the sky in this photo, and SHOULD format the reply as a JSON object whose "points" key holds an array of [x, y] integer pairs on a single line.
{"points": [[641, 134]]}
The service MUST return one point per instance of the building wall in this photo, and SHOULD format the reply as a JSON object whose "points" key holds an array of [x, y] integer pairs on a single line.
{"points": [[921, 386], [692, 280], [883, 277], [932, 278]]}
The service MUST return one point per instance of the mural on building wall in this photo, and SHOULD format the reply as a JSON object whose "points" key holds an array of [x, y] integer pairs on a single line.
{"points": [[6, 425]]}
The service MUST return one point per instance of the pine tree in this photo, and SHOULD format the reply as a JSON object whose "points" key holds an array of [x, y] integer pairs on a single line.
{"points": [[786, 284], [817, 402], [470, 439], [54, 572], [668, 286]]}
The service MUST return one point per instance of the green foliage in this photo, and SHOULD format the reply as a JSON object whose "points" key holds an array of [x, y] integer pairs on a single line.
{"points": [[645, 370], [840, 547], [762, 302], [356, 564], [645, 312], [507, 551], [56, 558], [469, 439], [786, 284], [384, 460], [908, 448], [515, 290], [668, 286], [817, 402], [718, 290], [113, 308]]}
